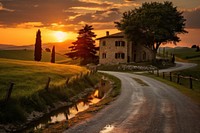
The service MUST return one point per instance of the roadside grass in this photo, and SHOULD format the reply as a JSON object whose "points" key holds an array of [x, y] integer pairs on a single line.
{"points": [[192, 94], [188, 55], [184, 54], [28, 55]]}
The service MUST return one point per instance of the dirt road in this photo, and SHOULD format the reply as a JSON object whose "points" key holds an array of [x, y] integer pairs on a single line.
{"points": [[145, 105]]}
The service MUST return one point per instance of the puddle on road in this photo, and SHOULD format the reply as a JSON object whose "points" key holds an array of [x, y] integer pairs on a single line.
{"points": [[107, 129], [139, 81]]}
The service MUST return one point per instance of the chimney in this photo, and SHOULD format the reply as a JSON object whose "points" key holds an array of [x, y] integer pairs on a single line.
{"points": [[107, 33]]}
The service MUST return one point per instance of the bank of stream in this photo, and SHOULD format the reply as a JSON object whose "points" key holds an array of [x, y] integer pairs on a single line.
{"points": [[72, 109], [65, 113]]}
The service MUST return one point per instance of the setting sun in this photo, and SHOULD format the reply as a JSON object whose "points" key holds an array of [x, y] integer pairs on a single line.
{"points": [[60, 36]]}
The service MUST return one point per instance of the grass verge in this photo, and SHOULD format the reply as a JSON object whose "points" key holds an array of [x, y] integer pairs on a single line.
{"points": [[195, 96]]}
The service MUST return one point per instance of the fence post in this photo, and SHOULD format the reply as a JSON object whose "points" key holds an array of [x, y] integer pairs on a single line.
{"points": [[163, 75], [47, 85], [178, 79], [77, 77], [81, 75], [67, 81], [190, 82], [158, 72], [9, 92], [170, 74]]}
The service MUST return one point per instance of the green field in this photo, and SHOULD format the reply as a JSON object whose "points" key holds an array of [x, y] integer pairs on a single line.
{"points": [[30, 76], [29, 55], [30, 79], [188, 55]]}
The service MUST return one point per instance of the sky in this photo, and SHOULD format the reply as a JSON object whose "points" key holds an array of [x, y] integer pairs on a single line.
{"points": [[61, 19]]}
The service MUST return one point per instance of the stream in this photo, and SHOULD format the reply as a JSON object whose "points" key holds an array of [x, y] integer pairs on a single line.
{"points": [[64, 113]]}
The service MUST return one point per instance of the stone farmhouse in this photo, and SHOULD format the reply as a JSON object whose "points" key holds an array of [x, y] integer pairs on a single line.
{"points": [[115, 49]]}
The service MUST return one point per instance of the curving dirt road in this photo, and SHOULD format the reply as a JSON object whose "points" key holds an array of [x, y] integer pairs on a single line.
{"points": [[179, 66], [145, 105]]}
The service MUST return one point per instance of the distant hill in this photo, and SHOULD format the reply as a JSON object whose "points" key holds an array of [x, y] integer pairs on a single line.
{"points": [[61, 47]]}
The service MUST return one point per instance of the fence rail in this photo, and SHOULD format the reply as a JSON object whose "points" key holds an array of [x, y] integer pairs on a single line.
{"points": [[177, 77]]}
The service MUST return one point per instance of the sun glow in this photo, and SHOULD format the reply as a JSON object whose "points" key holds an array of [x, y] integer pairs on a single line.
{"points": [[60, 36]]}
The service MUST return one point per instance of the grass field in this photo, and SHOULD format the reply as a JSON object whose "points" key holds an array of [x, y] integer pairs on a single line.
{"points": [[188, 55], [29, 55], [30, 76]]}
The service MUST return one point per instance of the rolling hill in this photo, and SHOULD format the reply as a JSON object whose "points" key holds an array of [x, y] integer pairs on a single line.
{"points": [[31, 76]]}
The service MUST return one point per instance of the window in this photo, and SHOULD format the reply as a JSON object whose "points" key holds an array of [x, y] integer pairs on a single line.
{"points": [[119, 43], [103, 55], [104, 43], [119, 55]]}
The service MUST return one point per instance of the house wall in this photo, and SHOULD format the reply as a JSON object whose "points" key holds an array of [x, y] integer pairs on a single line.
{"points": [[110, 50], [139, 53]]}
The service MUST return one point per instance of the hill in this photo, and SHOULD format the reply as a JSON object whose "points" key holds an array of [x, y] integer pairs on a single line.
{"points": [[185, 53], [30, 76], [28, 55], [61, 47]]}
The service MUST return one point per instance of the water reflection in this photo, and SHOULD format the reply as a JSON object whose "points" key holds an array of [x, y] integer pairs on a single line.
{"points": [[107, 129], [68, 113]]}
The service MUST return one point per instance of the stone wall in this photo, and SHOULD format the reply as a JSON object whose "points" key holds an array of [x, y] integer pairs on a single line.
{"points": [[110, 49], [132, 53], [140, 53]]}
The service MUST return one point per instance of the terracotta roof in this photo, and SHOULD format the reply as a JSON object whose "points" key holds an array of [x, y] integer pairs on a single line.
{"points": [[116, 35]]}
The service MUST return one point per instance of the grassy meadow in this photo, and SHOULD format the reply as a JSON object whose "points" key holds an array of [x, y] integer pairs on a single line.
{"points": [[30, 76], [188, 55]]}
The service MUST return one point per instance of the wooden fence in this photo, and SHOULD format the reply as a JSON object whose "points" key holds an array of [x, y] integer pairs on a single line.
{"points": [[68, 80], [174, 77]]}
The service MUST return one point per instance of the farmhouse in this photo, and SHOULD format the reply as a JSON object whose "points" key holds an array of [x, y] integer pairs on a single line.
{"points": [[115, 49]]}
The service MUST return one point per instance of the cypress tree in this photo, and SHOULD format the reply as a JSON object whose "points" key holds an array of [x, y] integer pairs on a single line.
{"points": [[38, 47], [53, 55]]}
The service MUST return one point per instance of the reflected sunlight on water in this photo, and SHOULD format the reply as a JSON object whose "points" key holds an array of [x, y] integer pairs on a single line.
{"points": [[71, 112], [107, 129]]}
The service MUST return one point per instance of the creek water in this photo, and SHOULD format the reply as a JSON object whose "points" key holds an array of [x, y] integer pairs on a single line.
{"points": [[65, 113]]}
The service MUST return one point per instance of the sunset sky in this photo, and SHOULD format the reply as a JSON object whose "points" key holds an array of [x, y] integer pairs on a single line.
{"points": [[61, 19]]}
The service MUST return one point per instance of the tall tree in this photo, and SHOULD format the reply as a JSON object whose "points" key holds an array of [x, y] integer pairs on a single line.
{"points": [[153, 24], [38, 47], [84, 47], [53, 55]]}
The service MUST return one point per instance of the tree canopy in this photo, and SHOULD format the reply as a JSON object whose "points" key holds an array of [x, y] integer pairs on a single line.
{"points": [[153, 24], [84, 47]]}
